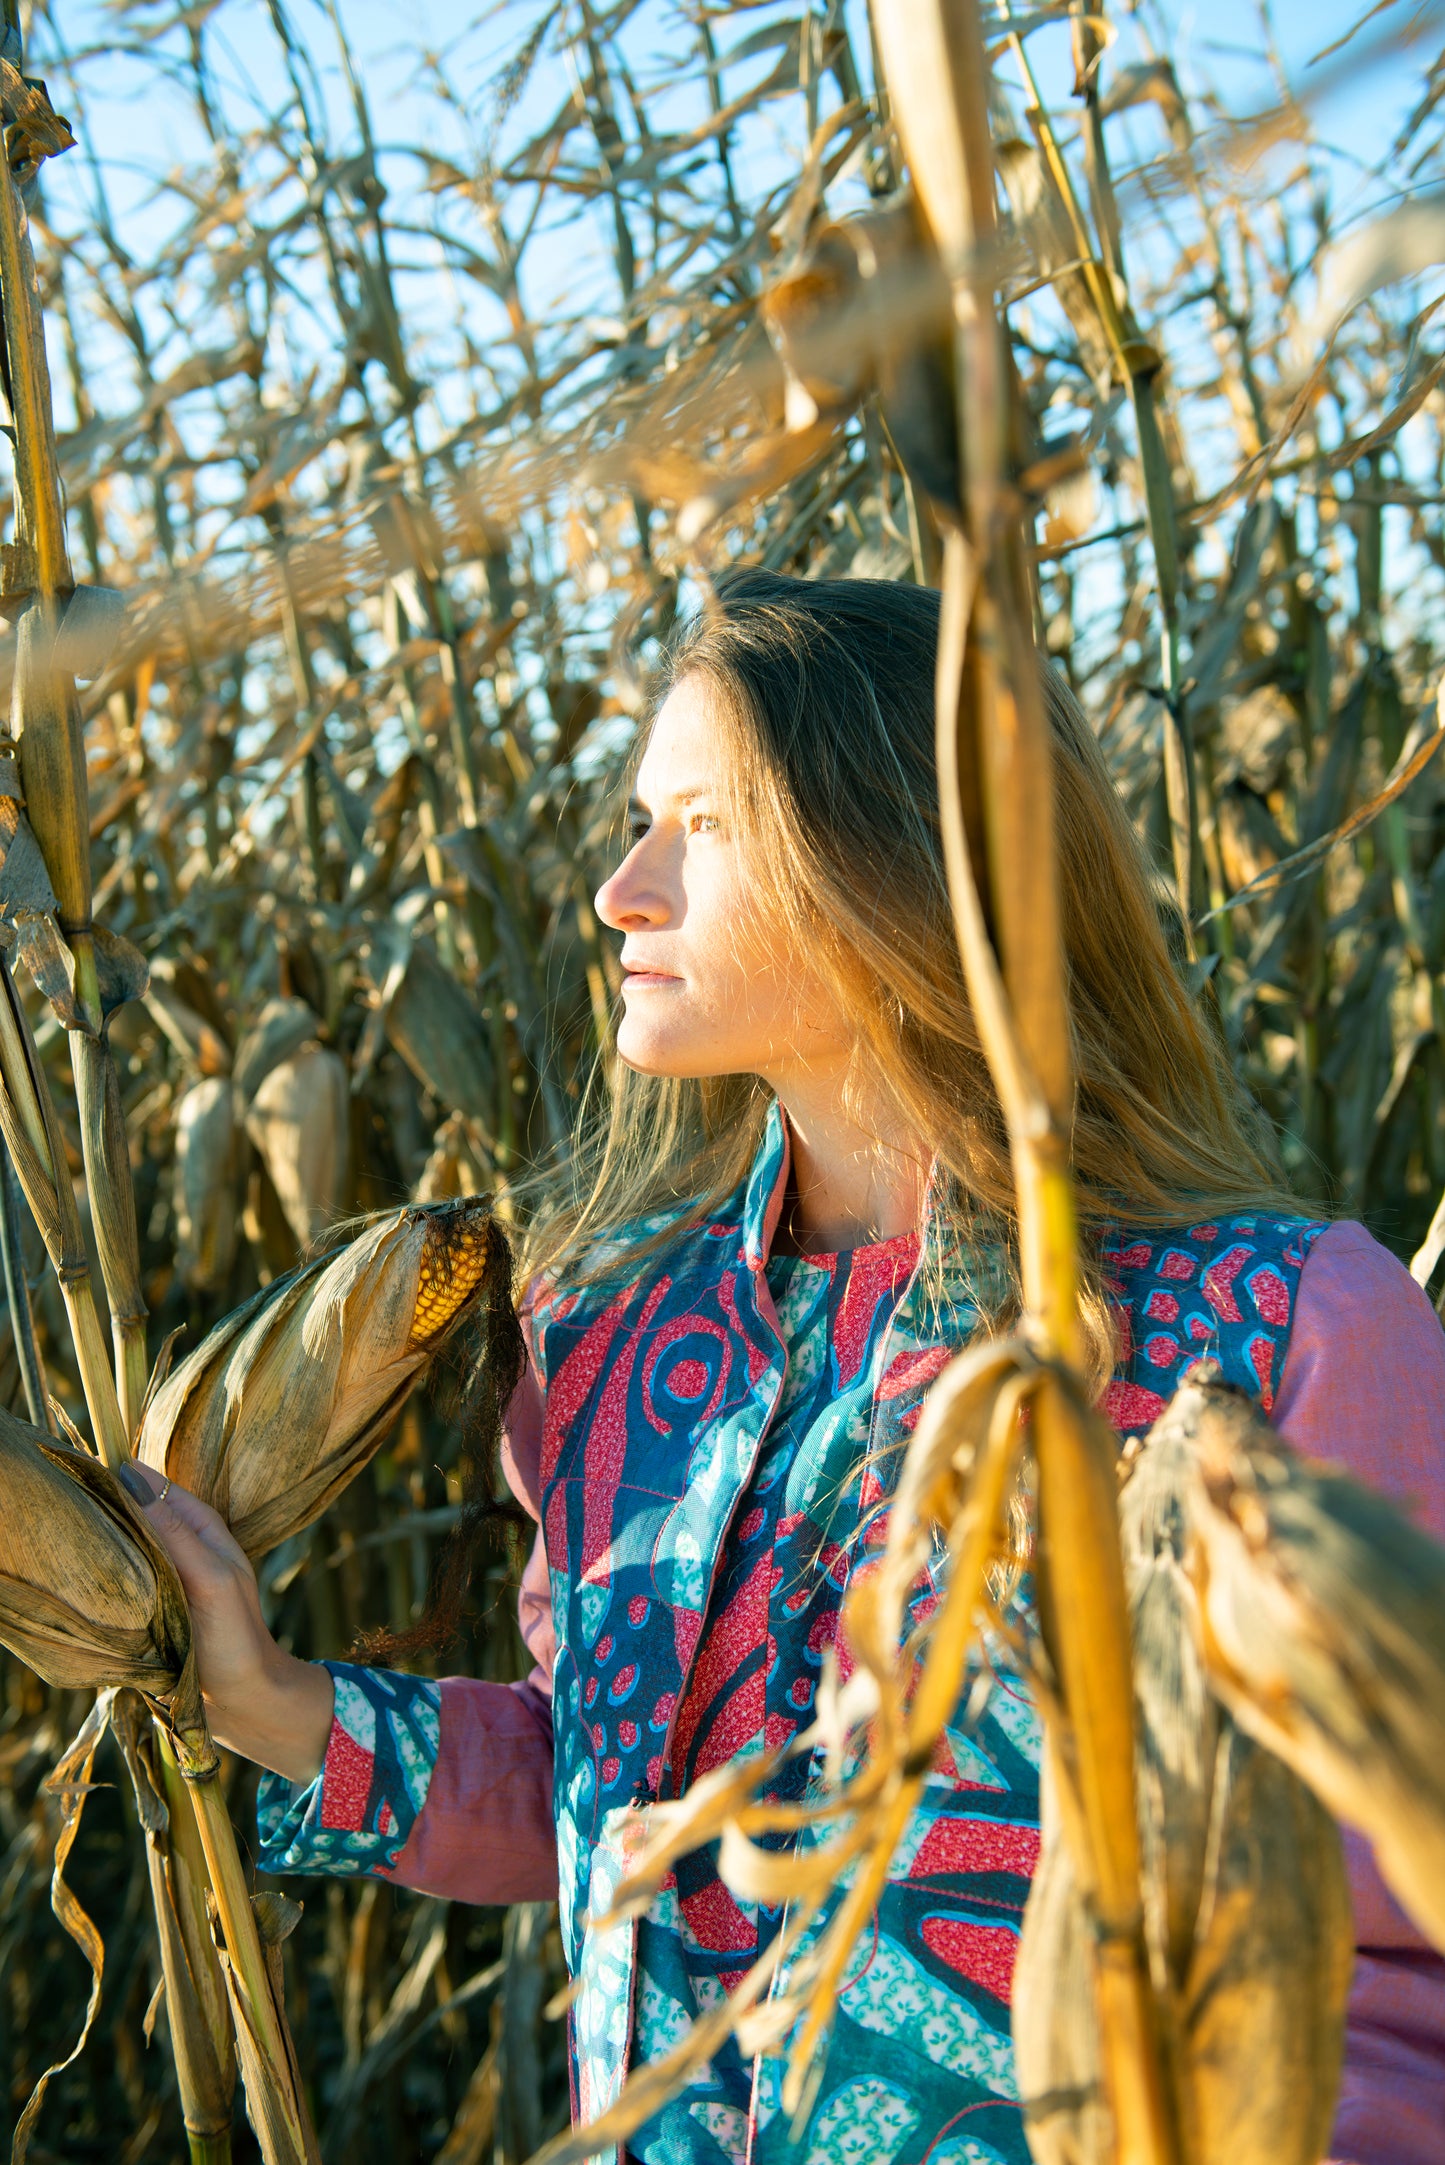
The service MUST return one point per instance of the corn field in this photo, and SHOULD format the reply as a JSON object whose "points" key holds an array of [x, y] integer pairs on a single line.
{"points": [[405, 395]]}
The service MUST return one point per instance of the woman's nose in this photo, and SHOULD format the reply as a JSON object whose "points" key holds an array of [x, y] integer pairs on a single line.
{"points": [[633, 900]]}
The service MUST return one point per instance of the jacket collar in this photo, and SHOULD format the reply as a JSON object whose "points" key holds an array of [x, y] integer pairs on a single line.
{"points": [[765, 1187]]}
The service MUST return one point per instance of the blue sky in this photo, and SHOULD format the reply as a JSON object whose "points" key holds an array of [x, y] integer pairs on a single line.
{"points": [[142, 132], [1219, 41]]}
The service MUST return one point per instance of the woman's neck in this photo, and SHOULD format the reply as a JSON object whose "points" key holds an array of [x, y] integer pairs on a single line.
{"points": [[853, 1179]]}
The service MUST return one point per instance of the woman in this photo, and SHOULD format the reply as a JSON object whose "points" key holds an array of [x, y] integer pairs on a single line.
{"points": [[802, 1205]]}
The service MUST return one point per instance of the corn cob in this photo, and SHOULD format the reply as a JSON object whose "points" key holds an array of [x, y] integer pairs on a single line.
{"points": [[287, 1399]]}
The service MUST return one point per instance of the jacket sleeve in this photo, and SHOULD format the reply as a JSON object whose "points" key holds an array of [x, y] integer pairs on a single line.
{"points": [[443, 1787], [1364, 1387]]}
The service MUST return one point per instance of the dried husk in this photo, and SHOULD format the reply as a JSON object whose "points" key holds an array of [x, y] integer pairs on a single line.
{"points": [[455, 1165], [439, 1032], [1324, 1633], [280, 1030], [299, 1120], [1055, 2029], [205, 1183], [88, 1597], [1247, 1910], [288, 1398]]}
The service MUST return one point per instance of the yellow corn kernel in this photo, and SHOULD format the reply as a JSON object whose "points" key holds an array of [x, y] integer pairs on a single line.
{"points": [[453, 1264]]}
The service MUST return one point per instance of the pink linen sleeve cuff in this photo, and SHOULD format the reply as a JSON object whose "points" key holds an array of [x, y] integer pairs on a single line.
{"points": [[486, 1833]]}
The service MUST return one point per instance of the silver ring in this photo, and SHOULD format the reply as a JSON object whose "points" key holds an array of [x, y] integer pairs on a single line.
{"points": [[162, 1493]]}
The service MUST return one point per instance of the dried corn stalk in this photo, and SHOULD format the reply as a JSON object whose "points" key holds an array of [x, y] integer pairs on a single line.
{"points": [[288, 1398], [197, 2013], [996, 816]]}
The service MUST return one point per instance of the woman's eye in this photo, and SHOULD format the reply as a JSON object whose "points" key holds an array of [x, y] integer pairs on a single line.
{"points": [[637, 828], [703, 823]]}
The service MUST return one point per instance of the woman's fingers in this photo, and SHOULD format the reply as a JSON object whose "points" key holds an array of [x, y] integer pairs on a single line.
{"points": [[189, 1530]]}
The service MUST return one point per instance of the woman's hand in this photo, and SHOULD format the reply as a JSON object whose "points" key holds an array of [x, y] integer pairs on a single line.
{"points": [[260, 1701]]}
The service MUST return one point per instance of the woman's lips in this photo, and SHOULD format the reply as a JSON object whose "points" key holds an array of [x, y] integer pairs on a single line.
{"points": [[643, 980]]}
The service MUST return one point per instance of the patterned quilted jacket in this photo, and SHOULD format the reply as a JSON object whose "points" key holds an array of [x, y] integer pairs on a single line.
{"points": [[695, 1582]]}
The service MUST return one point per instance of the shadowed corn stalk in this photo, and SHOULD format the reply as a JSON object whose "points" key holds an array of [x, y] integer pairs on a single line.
{"points": [[197, 2013]]}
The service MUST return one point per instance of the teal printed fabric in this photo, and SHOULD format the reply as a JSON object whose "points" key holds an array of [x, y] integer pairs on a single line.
{"points": [[356, 1816], [940, 1965]]}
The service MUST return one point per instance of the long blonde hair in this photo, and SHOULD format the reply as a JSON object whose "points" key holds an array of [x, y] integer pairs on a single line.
{"points": [[827, 690]]}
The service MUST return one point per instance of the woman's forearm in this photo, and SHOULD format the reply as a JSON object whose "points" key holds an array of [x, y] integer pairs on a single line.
{"points": [[260, 1701], [283, 1722]]}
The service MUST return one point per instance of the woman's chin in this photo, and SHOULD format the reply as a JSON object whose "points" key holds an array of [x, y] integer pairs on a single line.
{"points": [[661, 1053], [654, 1060]]}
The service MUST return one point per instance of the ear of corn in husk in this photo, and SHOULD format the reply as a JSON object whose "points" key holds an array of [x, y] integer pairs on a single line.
{"points": [[439, 1033], [278, 1033], [1247, 1910], [1323, 1615], [205, 1183], [300, 1122], [88, 1597], [867, 303], [287, 1399]]}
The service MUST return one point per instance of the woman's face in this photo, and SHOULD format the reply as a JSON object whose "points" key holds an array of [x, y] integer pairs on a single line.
{"points": [[715, 982]]}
